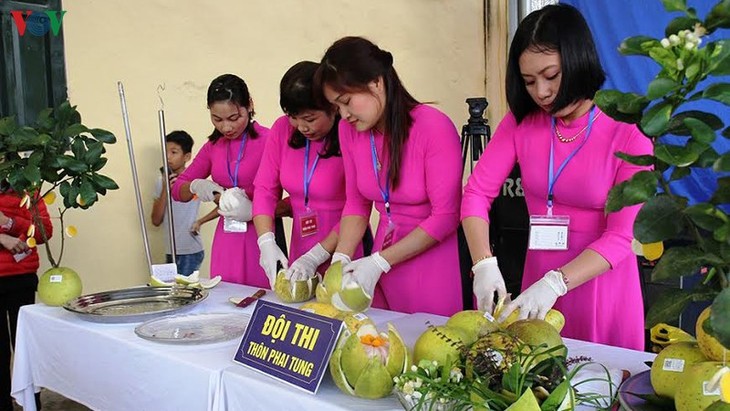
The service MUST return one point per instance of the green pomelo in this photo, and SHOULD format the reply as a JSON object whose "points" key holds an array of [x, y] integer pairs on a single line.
{"points": [[290, 291], [398, 360], [59, 285], [331, 283], [351, 298], [671, 366], [441, 344], [693, 393], [375, 381], [473, 323], [338, 376], [536, 332], [354, 358]]}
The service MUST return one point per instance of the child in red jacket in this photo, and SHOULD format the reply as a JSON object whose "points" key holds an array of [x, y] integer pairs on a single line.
{"points": [[18, 280]]}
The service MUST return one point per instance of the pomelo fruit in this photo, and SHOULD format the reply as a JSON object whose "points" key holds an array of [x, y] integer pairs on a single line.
{"points": [[671, 366], [59, 285], [473, 323]]}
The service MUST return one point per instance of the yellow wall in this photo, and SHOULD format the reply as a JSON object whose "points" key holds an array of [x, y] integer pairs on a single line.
{"points": [[438, 48]]}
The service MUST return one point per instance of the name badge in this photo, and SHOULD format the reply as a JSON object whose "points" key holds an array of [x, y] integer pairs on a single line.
{"points": [[309, 224], [389, 237], [234, 226], [548, 232]]}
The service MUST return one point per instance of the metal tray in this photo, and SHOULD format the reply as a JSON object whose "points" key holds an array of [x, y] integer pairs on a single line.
{"points": [[134, 304], [202, 328]]}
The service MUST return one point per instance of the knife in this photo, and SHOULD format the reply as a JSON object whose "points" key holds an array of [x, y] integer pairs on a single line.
{"points": [[249, 300]]}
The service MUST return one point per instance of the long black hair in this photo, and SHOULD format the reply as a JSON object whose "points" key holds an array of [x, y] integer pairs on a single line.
{"points": [[350, 64], [230, 87], [555, 28], [297, 94]]}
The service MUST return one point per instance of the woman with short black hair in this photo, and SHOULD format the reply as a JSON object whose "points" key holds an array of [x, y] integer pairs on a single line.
{"points": [[579, 259]]}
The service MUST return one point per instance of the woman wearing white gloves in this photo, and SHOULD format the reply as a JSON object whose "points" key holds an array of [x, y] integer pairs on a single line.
{"points": [[231, 157], [302, 156]]}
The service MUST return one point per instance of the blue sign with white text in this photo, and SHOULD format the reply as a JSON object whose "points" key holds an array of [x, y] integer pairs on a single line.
{"points": [[288, 344]]}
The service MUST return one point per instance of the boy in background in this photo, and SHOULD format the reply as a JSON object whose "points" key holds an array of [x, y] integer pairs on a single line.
{"points": [[188, 244]]}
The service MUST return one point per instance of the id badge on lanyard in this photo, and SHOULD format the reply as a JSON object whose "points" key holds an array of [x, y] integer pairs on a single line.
{"points": [[308, 222], [230, 225], [390, 231], [550, 232]]}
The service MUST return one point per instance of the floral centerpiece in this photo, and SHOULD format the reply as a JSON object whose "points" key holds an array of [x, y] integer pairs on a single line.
{"points": [[57, 152]]}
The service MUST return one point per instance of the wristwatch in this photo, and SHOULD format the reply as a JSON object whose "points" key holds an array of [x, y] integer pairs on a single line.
{"points": [[7, 226]]}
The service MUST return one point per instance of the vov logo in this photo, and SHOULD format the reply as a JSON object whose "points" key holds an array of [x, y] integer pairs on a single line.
{"points": [[38, 23]]}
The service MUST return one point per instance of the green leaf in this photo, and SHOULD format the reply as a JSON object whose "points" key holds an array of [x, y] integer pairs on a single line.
{"points": [[33, 174], [678, 261], [72, 164], [661, 87], [656, 119], [722, 194], [723, 163], [720, 319], [699, 130], [638, 46], [7, 126], [64, 188], [616, 105], [95, 151], [104, 182], [719, 61], [679, 156], [645, 160], [719, 16], [659, 219], [667, 307], [88, 193], [639, 188], [679, 173], [677, 126], [104, 136], [100, 163], [718, 92], [722, 234], [675, 5], [78, 148], [706, 216], [680, 23], [556, 397], [74, 130], [707, 158]]}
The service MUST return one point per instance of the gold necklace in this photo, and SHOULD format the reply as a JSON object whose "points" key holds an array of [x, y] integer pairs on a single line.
{"points": [[564, 139]]}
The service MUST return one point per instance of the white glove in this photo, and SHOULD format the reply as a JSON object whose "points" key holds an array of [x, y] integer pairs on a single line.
{"points": [[366, 272], [305, 266], [342, 257], [270, 255], [234, 203], [488, 280], [538, 298], [205, 189]]}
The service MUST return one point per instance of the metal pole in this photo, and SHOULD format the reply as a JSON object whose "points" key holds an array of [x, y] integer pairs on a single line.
{"points": [[166, 176], [135, 179]]}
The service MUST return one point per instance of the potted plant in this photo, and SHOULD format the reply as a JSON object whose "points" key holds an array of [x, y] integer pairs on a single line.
{"points": [[700, 233], [57, 152]]}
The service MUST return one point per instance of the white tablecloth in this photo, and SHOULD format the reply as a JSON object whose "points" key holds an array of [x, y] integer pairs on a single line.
{"points": [[108, 367], [243, 388]]}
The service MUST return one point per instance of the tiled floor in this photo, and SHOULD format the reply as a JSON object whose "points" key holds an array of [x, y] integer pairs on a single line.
{"points": [[51, 401]]}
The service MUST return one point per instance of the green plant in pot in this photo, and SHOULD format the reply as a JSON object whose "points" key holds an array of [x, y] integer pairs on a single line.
{"points": [[57, 152], [692, 65]]}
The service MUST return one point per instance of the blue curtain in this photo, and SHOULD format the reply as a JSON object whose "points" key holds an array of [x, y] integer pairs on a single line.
{"points": [[614, 20]]}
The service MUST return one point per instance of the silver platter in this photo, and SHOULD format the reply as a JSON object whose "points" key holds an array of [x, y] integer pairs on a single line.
{"points": [[134, 304]]}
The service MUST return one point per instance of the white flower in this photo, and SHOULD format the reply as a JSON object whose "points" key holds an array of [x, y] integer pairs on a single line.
{"points": [[689, 45], [665, 43], [691, 38], [682, 34], [417, 395], [408, 388], [674, 39], [699, 31], [418, 383], [414, 368]]}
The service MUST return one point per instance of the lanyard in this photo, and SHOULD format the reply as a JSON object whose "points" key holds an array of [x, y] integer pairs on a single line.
{"points": [[385, 193], [553, 178], [234, 175], [308, 174]]}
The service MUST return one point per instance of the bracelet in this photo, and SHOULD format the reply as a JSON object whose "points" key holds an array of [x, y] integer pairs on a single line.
{"points": [[565, 277], [482, 259], [8, 225]]}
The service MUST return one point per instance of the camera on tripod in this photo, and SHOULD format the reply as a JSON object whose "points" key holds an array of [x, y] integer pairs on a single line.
{"points": [[476, 132]]}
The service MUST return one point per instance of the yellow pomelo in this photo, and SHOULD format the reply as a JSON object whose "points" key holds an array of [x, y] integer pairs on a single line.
{"points": [[709, 345], [553, 317], [325, 310], [694, 393], [441, 344], [671, 366], [473, 323], [536, 332]]}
